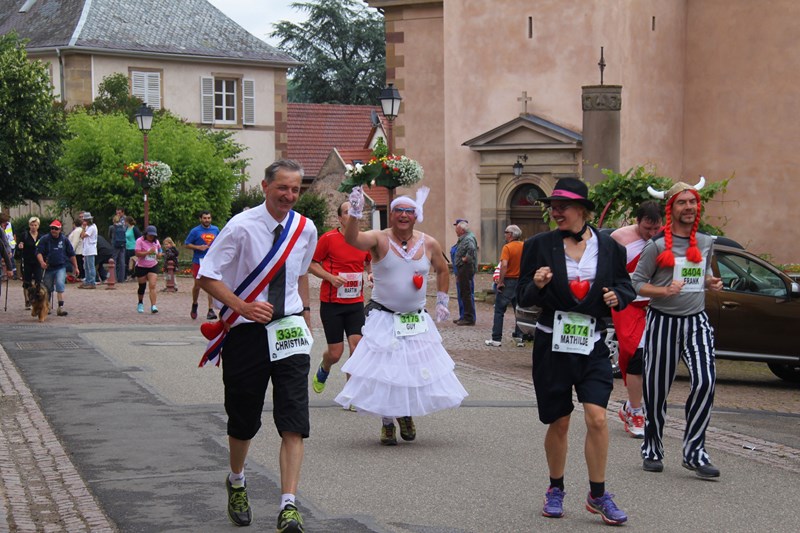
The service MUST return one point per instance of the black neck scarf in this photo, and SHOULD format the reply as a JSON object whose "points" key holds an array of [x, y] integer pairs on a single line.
{"points": [[577, 236]]}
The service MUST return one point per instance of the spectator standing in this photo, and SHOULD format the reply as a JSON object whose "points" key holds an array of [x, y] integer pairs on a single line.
{"points": [[132, 235], [199, 240], [269, 243], [77, 245], [148, 254], [53, 252], [506, 292], [674, 271], [9, 240], [89, 236], [629, 322], [31, 269], [466, 265], [104, 253], [341, 268], [118, 240]]}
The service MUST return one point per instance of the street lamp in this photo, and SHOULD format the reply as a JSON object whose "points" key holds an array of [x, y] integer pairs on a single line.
{"points": [[518, 166], [144, 119], [390, 106]]}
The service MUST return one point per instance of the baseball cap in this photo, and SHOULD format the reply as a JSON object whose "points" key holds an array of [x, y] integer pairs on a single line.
{"points": [[459, 221], [55, 224], [151, 230]]}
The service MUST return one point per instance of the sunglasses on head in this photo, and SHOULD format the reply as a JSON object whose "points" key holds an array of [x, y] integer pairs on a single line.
{"points": [[406, 210]]}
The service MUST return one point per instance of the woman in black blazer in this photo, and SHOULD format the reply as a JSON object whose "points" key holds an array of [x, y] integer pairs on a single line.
{"points": [[576, 275]]}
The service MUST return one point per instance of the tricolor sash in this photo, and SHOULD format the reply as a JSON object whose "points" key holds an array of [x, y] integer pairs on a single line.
{"points": [[251, 287]]}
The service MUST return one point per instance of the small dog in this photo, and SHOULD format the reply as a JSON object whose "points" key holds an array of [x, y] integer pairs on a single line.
{"points": [[40, 301]]}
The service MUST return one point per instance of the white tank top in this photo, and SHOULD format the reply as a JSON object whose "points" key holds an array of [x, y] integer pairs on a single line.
{"points": [[394, 281]]}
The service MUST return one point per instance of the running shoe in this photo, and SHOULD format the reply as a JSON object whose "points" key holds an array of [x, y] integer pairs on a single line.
{"points": [[140, 308], [239, 511], [153, 309], [193, 313], [319, 379], [290, 521], [553, 503], [211, 315], [606, 508], [387, 435], [634, 423], [407, 429], [706, 471], [652, 465], [490, 342], [520, 342]]}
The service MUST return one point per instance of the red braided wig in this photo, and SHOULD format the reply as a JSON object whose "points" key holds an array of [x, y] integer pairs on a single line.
{"points": [[667, 258]]}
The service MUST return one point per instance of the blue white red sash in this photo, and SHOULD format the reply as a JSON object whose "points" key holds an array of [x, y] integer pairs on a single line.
{"points": [[252, 286]]}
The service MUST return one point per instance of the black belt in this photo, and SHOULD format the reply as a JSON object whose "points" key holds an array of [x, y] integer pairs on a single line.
{"points": [[380, 307]]}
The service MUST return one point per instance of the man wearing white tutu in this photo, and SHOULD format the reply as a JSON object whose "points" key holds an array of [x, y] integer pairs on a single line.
{"points": [[400, 368]]}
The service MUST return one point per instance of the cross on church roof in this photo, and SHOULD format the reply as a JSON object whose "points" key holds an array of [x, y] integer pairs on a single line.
{"points": [[524, 99]]}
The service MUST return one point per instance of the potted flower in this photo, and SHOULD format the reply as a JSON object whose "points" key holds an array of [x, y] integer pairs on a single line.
{"points": [[148, 174]]}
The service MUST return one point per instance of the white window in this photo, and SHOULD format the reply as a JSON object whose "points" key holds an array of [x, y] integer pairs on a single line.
{"points": [[227, 100], [147, 87]]}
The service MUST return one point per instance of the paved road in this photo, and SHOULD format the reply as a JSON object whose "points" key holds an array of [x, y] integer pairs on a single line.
{"points": [[133, 440]]}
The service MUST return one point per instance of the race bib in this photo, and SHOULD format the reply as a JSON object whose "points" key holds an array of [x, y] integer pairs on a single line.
{"points": [[288, 336], [573, 333], [351, 288], [406, 324], [693, 275]]}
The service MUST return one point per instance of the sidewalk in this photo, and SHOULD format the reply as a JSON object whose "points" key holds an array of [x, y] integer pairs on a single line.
{"points": [[133, 422]]}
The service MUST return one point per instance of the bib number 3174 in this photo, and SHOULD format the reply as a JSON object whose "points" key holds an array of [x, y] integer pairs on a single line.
{"points": [[573, 333]]}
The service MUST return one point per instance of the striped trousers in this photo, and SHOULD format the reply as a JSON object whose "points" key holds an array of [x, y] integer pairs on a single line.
{"points": [[668, 337]]}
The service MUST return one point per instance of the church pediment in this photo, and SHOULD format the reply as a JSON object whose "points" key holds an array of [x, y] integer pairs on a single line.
{"points": [[529, 132]]}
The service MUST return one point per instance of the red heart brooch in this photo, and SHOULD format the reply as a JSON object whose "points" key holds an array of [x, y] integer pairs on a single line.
{"points": [[210, 330], [418, 279], [579, 288]]}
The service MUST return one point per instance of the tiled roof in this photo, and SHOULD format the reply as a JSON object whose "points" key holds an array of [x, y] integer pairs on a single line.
{"points": [[316, 129], [171, 27]]}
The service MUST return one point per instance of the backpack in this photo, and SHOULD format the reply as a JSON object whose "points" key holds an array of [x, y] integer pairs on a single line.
{"points": [[119, 236]]}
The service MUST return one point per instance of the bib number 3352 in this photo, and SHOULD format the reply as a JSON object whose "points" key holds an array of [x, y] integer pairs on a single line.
{"points": [[288, 336]]}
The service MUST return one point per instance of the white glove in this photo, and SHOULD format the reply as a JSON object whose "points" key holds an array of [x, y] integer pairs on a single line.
{"points": [[442, 312], [356, 203]]}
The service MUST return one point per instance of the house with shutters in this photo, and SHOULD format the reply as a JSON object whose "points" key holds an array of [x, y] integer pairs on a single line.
{"points": [[185, 56]]}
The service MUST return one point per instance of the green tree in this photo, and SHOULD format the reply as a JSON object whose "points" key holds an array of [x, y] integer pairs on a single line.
{"points": [[342, 47], [33, 126], [617, 197], [114, 96], [314, 207], [101, 144]]}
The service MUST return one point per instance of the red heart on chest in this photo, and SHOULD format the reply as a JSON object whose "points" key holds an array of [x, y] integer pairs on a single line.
{"points": [[210, 330], [418, 279], [579, 288]]}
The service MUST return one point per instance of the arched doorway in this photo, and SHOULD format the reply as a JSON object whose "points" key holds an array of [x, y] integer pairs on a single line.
{"points": [[526, 212]]}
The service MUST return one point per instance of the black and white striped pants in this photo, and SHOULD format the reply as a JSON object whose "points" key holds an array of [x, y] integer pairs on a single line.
{"points": [[691, 338]]}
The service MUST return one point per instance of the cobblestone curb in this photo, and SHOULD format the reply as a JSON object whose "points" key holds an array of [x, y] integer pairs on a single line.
{"points": [[40, 489]]}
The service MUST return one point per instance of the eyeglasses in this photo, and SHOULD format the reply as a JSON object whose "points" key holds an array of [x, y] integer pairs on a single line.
{"points": [[559, 208], [406, 210]]}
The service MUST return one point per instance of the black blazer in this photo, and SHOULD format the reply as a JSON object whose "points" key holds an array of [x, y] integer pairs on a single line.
{"points": [[547, 249]]}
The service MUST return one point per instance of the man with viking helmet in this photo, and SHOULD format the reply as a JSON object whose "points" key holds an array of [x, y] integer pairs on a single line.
{"points": [[673, 271]]}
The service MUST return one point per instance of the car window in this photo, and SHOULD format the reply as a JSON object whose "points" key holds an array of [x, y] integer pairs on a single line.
{"points": [[742, 274]]}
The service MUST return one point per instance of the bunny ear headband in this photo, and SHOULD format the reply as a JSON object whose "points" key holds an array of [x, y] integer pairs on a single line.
{"points": [[421, 196]]}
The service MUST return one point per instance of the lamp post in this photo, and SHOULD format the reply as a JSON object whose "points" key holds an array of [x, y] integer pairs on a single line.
{"points": [[144, 119], [390, 106], [518, 166]]}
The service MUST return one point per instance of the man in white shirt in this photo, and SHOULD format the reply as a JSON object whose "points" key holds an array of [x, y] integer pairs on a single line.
{"points": [[253, 354], [89, 236]]}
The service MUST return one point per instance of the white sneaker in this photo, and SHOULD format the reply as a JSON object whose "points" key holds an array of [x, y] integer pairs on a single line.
{"points": [[634, 423], [492, 343], [520, 342]]}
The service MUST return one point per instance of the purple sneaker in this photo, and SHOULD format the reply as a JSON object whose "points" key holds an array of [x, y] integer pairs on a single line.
{"points": [[553, 503], [605, 507]]}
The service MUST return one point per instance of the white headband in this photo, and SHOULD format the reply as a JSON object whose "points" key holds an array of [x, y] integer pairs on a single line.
{"points": [[422, 195]]}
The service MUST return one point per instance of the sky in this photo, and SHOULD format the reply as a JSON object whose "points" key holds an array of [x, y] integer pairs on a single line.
{"points": [[258, 16]]}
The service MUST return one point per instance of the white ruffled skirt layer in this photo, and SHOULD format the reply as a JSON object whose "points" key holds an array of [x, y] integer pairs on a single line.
{"points": [[400, 376]]}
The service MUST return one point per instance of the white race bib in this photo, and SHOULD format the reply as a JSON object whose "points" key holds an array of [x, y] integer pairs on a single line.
{"points": [[288, 336], [413, 323], [693, 275], [351, 288], [573, 333]]}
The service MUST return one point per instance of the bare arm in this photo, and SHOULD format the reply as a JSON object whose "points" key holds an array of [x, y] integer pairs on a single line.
{"points": [[318, 270], [440, 266], [302, 290], [363, 240], [501, 281], [256, 311]]}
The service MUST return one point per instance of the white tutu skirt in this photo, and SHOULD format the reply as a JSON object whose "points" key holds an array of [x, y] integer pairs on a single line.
{"points": [[400, 376]]}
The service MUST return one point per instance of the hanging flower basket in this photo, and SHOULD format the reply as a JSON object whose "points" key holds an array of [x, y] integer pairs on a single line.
{"points": [[149, 174], [391, 171]]}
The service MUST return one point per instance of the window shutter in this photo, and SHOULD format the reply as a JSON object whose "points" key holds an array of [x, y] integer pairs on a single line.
{"points": [[206, 100], [153, 89], [138, 86], [249, 102]]}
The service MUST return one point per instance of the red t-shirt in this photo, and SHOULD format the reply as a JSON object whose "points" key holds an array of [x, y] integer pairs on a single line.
{"points": [[340, 258]]}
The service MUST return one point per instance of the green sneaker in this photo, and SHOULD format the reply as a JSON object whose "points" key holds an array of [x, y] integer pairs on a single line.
{"points": [[387, 435], [239, 511], [289, 520], [319, 379], [407, 429]]}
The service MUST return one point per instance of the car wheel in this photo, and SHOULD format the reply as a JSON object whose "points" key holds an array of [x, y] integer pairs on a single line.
{"points": [[786, 371], [613, 349]]}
